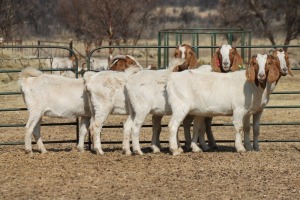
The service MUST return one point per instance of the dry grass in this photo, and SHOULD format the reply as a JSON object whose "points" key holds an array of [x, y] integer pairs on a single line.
{"points": [[64, 173]]}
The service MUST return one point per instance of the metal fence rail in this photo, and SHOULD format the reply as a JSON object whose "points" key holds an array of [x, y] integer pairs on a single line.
{"points": [[297, 123]]}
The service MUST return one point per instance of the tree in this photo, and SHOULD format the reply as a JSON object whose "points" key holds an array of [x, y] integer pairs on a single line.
{"points": [[111, 20], [12, 14], [271, 17]]}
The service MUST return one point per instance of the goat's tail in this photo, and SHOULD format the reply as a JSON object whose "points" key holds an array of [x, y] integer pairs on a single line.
{"points": [[29, 72]]}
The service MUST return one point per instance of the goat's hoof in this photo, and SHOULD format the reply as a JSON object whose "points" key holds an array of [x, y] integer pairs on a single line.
{"points": [[155, 149], [256, 148], [205, 147], [127, 152], [28, 151], [43, 151], [80, 149], [195, 148], [241, 150], [180, 150], [99, 152], [176, 152], [249, 148], [138, 152]]}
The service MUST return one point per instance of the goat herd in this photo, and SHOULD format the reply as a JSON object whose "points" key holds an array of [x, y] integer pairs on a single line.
{"points": [[185, 91]]}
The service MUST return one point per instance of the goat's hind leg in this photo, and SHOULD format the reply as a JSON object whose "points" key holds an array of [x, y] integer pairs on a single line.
{"points": [[135, 131], [31, 126], [95, 128], [187, 122], [199, 132], [38, 138], [83, 130], [126, 135], [155, 143]]}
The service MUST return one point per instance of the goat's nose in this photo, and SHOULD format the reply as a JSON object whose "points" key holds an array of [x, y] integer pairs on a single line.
{"points": [[225, 63], [284, 69], [261, 75]]}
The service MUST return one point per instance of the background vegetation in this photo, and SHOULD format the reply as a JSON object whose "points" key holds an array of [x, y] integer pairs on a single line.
{"points": [[127, 21]]}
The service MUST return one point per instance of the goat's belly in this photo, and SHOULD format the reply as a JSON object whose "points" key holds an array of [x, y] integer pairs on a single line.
{"points": [[211, 112], [161, 109], [66, 114]]}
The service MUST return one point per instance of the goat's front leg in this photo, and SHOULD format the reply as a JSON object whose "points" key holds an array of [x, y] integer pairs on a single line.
{"points": [[246, 129], [173, 129], [83, 130], [238, 125], [256, 120], [187, 123], [155, 143], [211, 140]]}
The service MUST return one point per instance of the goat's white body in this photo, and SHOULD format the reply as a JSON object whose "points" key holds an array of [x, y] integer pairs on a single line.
{"points": [[209, 94], [107, 96], [147, 94], [146, 91], [205, 68], [52, 96], [59, 63], [99, 64]]}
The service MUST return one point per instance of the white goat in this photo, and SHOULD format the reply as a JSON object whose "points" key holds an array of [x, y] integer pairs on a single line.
{"points": [[98, 64], [225, 59], [59, 63], [55, 96], [52, 96], [218, 94], [147, 94], [106, 91], [283, 59], [107, 96]]}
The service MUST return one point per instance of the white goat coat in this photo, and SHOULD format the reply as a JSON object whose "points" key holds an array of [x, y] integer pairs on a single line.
{"points": [[210, 94], [147, 94], [107, 96], [149, 87], [53, 96]]}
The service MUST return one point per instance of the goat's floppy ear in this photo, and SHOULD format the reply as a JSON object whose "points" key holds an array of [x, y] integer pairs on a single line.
{"points": [[250, 72], [274, 72], [176, 52], [193, 60], [215, 62], [289, 67], [237, 62]]}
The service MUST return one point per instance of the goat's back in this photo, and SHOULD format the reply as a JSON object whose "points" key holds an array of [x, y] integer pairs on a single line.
{"points": [[54, 96], [147, 90], [210, 93]]}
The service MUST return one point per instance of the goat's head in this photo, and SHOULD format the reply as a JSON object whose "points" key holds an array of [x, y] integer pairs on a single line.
{"points": [[186, 52], [263, 68], [283, 60], [226, 59], [121, 63]]}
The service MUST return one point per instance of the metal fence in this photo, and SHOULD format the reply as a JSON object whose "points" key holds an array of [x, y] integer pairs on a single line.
{"points": [[262, 49]]}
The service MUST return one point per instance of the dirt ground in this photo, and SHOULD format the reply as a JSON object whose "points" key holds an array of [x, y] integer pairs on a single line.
{"points": [[64, 173]]}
